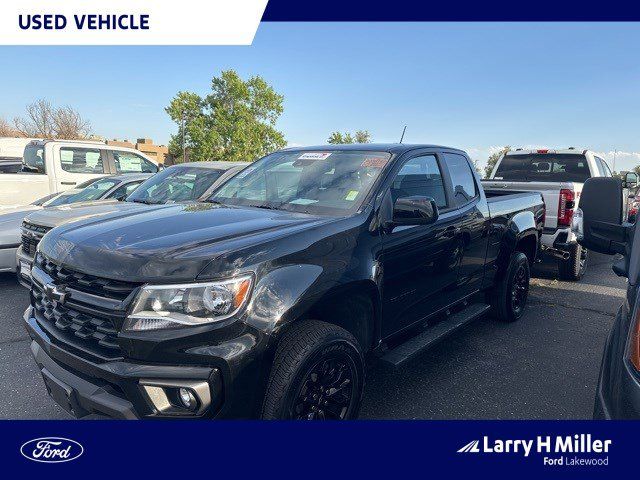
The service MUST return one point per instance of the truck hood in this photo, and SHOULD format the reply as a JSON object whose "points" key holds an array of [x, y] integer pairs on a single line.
{"points": [[10, 222], [167, 244], [55, 216]]}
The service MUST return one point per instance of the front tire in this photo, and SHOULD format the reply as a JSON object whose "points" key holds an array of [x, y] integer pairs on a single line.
{"points": [[317, 374], [509, 299], [574, 268]]}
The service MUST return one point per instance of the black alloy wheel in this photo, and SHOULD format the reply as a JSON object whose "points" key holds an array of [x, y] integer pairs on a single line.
{"points": [[327, 391], [317, 374], [519, 290]]}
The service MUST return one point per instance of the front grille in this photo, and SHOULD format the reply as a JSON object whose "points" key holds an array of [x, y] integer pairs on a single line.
{"points": [[31, 236], [84, 327], [102, 287], [88, 319]]}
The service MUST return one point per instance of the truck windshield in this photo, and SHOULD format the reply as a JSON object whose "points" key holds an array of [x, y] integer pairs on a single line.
{"points": [[543, 167], [33, 159], [175, 184], [325, 183]]}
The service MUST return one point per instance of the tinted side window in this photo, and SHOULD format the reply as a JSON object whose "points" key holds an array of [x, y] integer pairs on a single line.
{"points": [[127, 162], [464, 185], [420, 176], [81, 160]]}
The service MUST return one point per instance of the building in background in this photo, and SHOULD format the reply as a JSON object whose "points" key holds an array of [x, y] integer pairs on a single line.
{"points": [[159, 153]]}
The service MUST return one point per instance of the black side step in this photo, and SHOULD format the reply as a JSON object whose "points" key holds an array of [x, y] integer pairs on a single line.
{"points": [[432, 335]]}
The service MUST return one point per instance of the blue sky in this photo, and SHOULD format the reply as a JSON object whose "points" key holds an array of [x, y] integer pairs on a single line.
{"points": [[470, 85]]}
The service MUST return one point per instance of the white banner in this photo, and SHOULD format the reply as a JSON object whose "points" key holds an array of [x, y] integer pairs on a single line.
{"points": [[129, 22]]}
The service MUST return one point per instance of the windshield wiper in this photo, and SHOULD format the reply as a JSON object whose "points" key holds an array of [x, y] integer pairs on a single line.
{"points": [[146, 202], [215, 202]]}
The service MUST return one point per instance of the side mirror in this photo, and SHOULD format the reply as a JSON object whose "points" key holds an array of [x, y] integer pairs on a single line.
{"points": [[416, 210], [602, 215], [630, 180]]}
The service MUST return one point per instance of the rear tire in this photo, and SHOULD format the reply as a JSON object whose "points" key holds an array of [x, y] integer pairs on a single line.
{"points": [[574, 268], [317, 374], [509, 299]]}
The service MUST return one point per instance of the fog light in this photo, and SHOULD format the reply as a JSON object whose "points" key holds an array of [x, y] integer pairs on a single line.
{"points": [[177, 397], [187, 398]]}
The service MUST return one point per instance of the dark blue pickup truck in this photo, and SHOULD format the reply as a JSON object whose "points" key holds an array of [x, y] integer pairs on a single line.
{"points": [[264, 301]]}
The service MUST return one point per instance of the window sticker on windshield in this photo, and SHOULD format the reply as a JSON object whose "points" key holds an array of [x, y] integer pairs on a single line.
{"points": [[314, 156], [351, 196], [375, 162]]}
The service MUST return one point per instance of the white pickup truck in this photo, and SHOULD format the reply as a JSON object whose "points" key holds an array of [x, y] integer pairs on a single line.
{"points": [[559, 175], [52, 166]]}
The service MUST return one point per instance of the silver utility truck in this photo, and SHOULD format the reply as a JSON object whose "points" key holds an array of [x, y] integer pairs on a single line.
{"points": [[559, 175]]}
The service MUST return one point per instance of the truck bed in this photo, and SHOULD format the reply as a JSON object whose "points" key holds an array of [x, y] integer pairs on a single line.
{"points": [[549, 190], [510, 202]]}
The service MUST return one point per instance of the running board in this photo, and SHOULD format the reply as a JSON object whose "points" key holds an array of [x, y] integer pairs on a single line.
{"points": [[432, 335]]}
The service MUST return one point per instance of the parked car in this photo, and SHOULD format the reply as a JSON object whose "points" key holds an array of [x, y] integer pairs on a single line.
{"points": [[180, 183], [11, 218], [263, 301], [604, 230], [52, 166], [10, 164], [559, 175]]}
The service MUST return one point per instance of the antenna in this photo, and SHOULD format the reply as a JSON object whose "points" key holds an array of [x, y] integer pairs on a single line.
{"points": [[402, 136]]}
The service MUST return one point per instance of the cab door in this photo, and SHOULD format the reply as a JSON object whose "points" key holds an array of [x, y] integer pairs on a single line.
{"points": [[419, 263], [75, 164], [475, 221]]}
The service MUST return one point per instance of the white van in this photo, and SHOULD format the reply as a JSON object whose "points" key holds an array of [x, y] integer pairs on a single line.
{"points": [[52, 166]]}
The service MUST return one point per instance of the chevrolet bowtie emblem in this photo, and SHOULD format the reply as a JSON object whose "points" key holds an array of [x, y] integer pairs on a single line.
{"points": [[55, 293]]}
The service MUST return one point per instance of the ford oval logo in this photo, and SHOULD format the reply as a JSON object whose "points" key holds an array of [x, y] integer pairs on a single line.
{"points": [[51, 450]]}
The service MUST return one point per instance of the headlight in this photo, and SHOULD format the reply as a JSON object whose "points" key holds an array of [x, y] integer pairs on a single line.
{"points": [[171, 306]]}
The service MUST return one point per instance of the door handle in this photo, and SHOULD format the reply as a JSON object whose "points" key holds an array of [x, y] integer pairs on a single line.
{"points": [[68, 183]]}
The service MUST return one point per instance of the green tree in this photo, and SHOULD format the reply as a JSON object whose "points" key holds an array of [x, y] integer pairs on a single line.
{"points": [[235, 122], [361, 136], [493, 159]]}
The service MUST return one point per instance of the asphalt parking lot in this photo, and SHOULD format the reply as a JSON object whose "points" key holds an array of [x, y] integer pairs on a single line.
{"points": [[543, 367]]}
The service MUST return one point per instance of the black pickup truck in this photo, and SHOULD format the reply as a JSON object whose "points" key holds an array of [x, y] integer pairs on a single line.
{"points": [[264, 301]]}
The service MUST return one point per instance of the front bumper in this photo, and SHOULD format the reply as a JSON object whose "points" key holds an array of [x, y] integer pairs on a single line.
{"points": [[114, 389], [8, 258]]}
